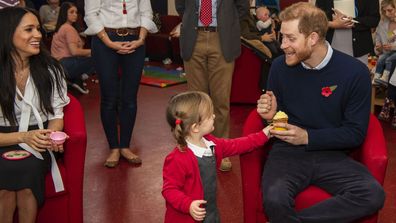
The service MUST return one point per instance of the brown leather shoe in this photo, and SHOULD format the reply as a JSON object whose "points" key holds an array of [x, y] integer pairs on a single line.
{"points": [[225, 165]]}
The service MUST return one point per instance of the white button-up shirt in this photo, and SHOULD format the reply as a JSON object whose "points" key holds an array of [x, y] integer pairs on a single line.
{"points": [[109, 13], [32, 94]]}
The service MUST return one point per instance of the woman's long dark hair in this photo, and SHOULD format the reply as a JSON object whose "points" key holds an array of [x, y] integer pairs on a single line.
{"points": [[45, 72], [62, 18]]}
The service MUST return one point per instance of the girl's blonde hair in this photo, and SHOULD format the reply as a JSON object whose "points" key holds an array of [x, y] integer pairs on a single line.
{"points": [[186, 109], [385, 3]]}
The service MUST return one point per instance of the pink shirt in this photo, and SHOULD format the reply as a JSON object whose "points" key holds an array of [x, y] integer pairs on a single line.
{"points": [[66, 35]]}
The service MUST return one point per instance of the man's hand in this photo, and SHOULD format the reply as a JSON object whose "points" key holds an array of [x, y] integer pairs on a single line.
{"points": [[266, 105], [196, 211], [293, 135]]}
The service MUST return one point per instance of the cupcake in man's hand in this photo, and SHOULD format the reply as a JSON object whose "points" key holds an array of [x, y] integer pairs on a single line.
{"points": [[280, 117]]}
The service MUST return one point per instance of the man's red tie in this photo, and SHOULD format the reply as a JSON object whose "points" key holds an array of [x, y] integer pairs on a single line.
{"points": [[206, 12]]}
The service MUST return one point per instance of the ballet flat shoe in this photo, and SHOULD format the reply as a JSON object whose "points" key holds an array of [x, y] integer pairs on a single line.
{"points": [[110, 164], [134, 160]]}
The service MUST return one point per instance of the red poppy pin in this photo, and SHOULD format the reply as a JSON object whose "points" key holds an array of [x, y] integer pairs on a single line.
{"points": [[327, 91]]}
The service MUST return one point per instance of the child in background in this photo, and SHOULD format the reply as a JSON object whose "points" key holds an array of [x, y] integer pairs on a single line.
{"points": [[266, 27], [189, 172], [385, 45]]}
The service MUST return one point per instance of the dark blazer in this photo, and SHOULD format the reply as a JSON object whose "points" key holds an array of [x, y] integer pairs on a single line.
{"points": [[368, 17], [229, 13]]}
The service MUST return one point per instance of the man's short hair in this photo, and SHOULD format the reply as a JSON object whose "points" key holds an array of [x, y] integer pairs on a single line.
{"points": [[311, 19]]}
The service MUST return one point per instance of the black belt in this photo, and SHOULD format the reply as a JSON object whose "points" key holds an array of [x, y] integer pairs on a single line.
{"points": [[207, 28], [123, 31]]}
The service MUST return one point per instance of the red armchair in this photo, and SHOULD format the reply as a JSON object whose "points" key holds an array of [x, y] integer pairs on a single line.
{"points": [[373, 154], [67, 206], [246, 77], [158, 45]]}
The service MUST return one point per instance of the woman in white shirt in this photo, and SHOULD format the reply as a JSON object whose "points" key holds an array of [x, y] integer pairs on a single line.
{"points": [[119, 28], [33, 94]]}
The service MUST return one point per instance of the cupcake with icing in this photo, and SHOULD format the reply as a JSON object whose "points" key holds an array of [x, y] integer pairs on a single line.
{"points": [[280, 117]]}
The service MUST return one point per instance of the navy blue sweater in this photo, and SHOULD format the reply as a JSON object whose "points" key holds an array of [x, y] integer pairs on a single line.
{"points": [[336, 122]]}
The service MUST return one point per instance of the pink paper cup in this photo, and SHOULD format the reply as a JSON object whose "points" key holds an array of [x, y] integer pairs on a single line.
{"points": [[58, 137]]}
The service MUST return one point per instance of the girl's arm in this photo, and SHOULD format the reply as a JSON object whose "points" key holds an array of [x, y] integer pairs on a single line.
{"points": [[231, 147]]}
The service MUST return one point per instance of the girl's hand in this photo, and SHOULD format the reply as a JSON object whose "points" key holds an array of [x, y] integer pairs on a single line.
{"points": [[196, 212], [37, 139], [267, 129]]}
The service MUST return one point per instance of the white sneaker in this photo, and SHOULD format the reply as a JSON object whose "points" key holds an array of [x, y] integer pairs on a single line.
{"points": [[384, 79], [375, 78], [392, 80]]}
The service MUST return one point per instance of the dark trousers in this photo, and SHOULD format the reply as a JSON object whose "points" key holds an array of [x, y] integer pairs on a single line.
{"points": [[76, 66], [290, 169], [114, 87]]}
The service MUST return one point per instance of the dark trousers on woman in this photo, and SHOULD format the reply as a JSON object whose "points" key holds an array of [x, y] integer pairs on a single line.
{"points": [[115, 86], [76, 66], [290, 169]]}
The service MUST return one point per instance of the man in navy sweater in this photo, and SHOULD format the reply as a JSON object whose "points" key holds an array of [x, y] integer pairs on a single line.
{"points": [[326, 95]]}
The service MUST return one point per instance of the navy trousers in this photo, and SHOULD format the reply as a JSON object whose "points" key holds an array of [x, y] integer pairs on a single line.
{"points": [[114, 87], [290, 169], [76, 66]]}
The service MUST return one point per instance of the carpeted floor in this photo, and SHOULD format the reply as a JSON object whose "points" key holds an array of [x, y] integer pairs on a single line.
{"points": [[162, 77]]}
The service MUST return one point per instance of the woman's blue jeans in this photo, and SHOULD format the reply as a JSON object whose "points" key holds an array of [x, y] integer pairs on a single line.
{"points": [[118, 87], [76, 66]]}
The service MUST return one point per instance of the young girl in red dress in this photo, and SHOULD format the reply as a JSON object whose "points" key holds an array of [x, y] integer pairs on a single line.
{"points": [[189, 172]]}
